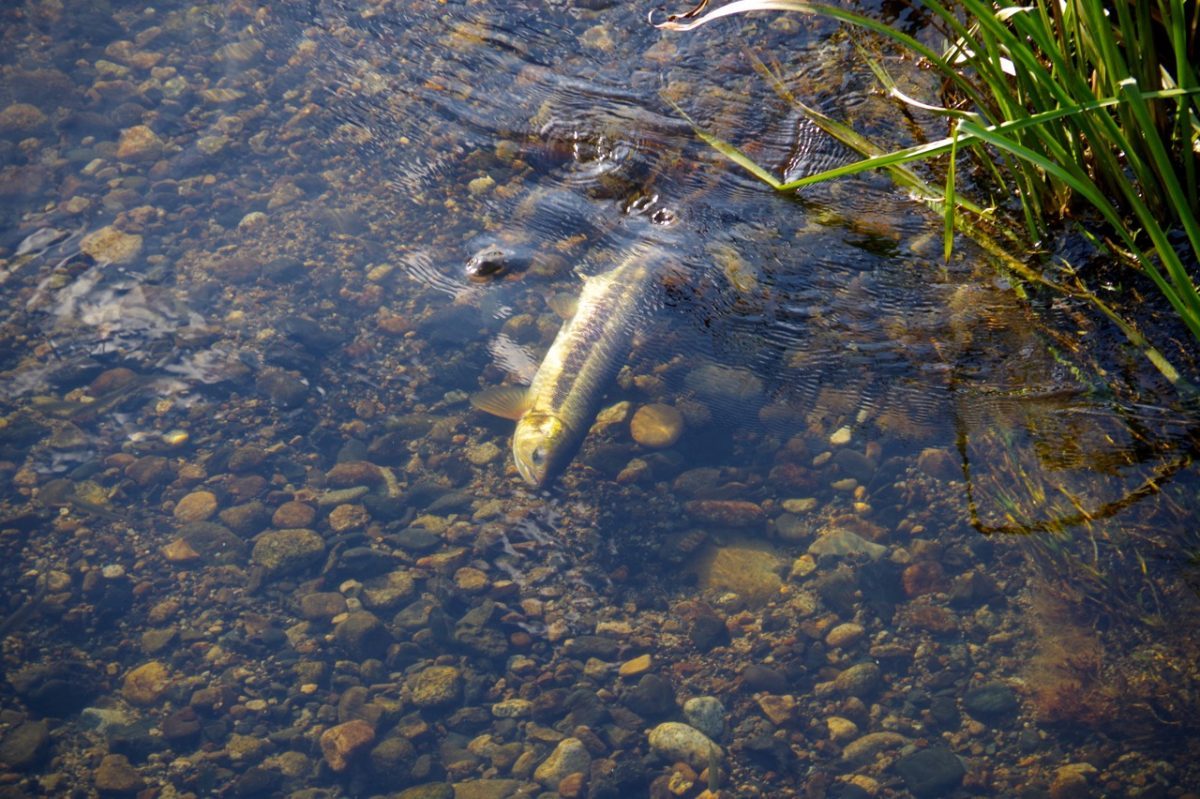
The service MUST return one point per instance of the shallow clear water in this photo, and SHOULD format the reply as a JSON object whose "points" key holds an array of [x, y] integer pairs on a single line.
{"points": [[919, 535]]}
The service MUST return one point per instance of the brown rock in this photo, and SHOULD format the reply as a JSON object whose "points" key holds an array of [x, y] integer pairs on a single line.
{"points": [[348, 517], [939, 464], [146, 684], [725, 512], [924, 577], [341, 743], [180, 552], [354, 473], [139, 143], [197, 506], [150, 470], [778, 709], [115, 777], [293, 514], [656, 425], [20, 120], [322, 605], [110, 245]]}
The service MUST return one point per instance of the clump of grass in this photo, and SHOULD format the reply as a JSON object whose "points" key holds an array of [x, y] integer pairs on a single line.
{"points": [[1067, 104]]}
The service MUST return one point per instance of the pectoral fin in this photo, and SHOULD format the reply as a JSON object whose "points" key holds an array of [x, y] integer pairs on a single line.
{"points": [[507, 402]]}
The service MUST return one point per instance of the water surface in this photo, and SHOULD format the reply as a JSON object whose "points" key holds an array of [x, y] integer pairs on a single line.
{"points": [[921, 535]]}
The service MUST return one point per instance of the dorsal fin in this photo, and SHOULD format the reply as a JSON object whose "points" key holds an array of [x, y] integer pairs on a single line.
{"points": [[507, 402]]}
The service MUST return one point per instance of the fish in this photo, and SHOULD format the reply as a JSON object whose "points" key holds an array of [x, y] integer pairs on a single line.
{"points": [[555, 412]]}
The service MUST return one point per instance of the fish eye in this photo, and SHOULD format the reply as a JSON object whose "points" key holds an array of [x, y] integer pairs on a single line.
{"points": [[538, 455]]}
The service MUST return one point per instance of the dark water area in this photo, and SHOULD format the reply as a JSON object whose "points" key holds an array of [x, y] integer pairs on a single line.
{"points": [[850, 520]]}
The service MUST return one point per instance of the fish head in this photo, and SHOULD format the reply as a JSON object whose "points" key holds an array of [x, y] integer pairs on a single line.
{"points": [[541, 447]]}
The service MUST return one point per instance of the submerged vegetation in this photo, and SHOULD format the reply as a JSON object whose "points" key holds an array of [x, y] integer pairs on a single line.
{"points": [[1080, 111]]}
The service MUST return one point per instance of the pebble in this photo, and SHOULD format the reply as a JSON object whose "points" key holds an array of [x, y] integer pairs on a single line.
{"points": [[387, 591], [858, 680], [113, 246], [180, 552], [512, 709], [939, 464], [840, 542], [283, 552], [799, 505], [485, 453], [844, 635], [1071, 781], [924, 577], [282, 388], [139, 143], [864, 749], [146, 684], [635, 667], [570, 756], [841, 729], [656, 425], [340, 743], [24, 746], [725, 512], [348, 517], [294, 515], [362, 635], [116, 777], [931, 772], [750, 570], [706, 714], [779, 709], [436, 685], [840, 437], [197, 506], [991, 701], [21, 120], [348, 474], [674, 741]]}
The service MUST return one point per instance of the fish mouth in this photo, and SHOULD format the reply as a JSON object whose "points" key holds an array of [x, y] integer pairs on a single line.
{"points": [[541, 447]]}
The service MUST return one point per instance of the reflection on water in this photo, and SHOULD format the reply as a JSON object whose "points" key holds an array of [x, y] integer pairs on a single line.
{"points": [[850, 520]]}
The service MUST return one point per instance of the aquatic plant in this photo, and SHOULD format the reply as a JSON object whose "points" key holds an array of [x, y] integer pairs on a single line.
{"points": [[1067, 106]]}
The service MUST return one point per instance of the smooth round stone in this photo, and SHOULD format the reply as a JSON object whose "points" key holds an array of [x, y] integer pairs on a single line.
{"points": [[706, 714], [840, 729], [656, 425], [293, 514], [990, 700], [512, 709], [845, 635], [931, 772], [25, 745], [674, 741], [858, 680], [197, 506], [569, 757], [362, 635], [322, 605], [864, 749]]}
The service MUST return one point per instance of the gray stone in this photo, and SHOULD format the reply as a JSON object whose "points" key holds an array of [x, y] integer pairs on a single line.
{"points": [[674, 741], [707, 714], [935, 771], [362, 635], [25, 745], [569, 757], [990, 701]]}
